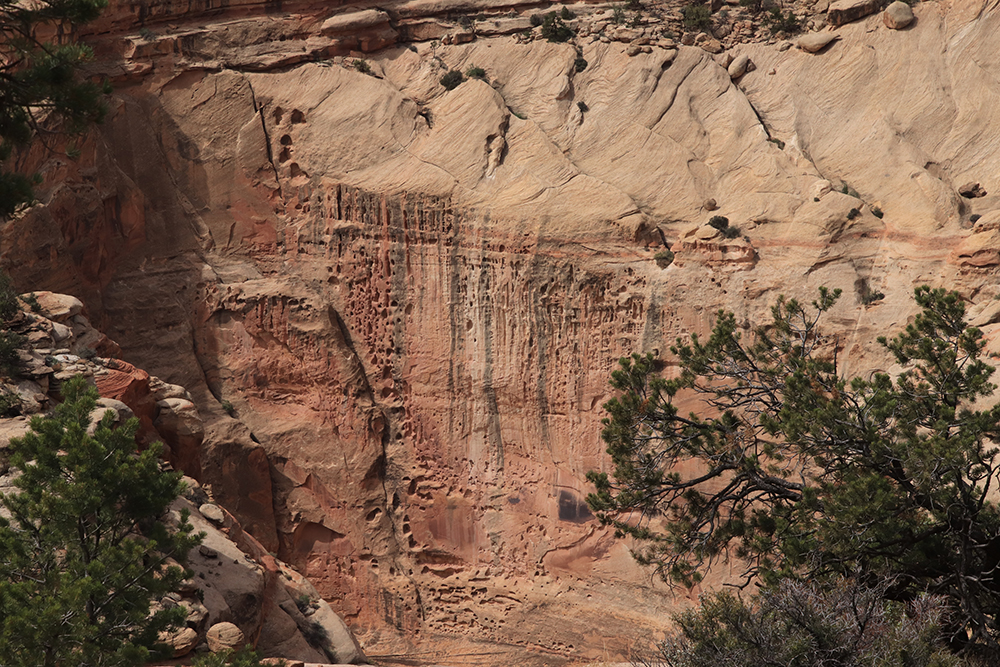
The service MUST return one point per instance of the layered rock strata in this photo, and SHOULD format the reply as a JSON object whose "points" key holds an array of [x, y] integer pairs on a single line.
{"points": [[409, 299]]}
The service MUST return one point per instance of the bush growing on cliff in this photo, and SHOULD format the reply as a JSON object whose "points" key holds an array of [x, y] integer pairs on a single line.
{"points": [[554, 30], [697, 17], [778, 22], [83, 544], [476, 73], [451, 80], [719, 222], [664, 258], [803, 474], [39, 82]]}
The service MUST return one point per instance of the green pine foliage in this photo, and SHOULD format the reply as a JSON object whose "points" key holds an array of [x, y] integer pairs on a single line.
{"points": [[555, 30], [806, 625], [84, 547], [801, 473], [697, 17], [451, 80], [38, 79], [245, 657]]}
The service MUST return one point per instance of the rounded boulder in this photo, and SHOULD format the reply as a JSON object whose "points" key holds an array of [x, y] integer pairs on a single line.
{"points": [[224, 636], [897, 16]]}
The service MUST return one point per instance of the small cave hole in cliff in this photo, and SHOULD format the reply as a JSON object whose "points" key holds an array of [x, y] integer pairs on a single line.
{"points": [[298, 116]]}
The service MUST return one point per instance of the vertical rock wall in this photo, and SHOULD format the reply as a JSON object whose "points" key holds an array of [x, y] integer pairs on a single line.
{"points": [[397, 306]]}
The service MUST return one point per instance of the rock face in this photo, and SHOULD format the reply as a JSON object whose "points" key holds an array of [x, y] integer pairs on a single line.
{"points": [[237, 590], [410, 299]]}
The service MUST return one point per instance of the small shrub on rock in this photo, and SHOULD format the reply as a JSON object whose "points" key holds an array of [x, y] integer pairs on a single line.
{"points": [[731, 232], [362, 66], [536, 20], [476, 73], [10, 403], [566, 14], [451, 80], [9, 305], [31, 301], [719, 222], [554, 30], [778, 22], [697, 17], [664, 258], [580, 64], [10, 360], [853, 213]]}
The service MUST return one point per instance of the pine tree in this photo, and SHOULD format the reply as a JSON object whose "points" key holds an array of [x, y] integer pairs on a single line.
{"points": [[84, 544], [798, 472], [39, 85]]}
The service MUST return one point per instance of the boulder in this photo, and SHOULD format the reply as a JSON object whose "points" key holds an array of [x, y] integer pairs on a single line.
{"points": [[58, 307], [816, 41], [181, 642], [972, 190], [897, 16], [711, 45], [342, 642], [739, 66], [212, 512], [845, 11], [224, 636]]}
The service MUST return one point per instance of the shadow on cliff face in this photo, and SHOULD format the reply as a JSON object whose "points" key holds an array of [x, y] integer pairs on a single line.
{"points": [[121, 229]]}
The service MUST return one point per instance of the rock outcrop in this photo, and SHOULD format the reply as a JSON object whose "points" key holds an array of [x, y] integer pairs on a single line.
{"points": [[396, 307], [237, 594]]}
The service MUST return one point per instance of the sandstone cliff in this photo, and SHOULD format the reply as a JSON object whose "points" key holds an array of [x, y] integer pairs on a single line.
{"points": [[412, 297], [235, 584]]}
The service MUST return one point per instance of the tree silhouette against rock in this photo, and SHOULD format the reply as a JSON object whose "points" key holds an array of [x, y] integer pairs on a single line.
{"points": [[801, 473]]}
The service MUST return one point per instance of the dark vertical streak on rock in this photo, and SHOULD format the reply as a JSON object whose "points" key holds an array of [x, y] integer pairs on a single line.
{"points": [[493, 432], [537, 334], [455, 305], [651, 334]]}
